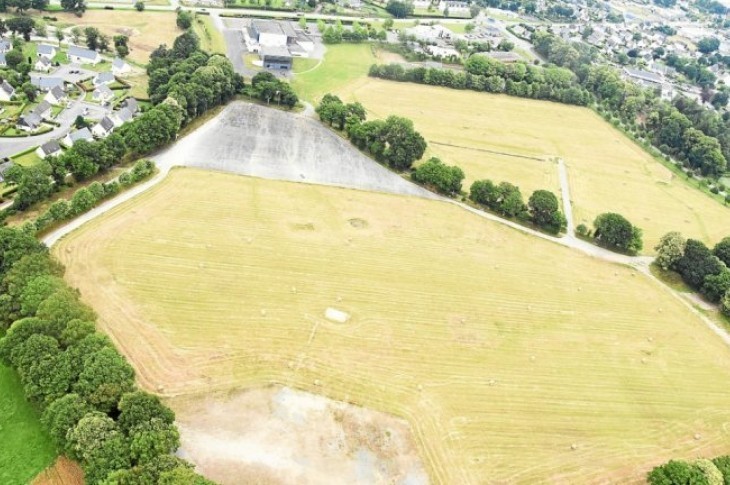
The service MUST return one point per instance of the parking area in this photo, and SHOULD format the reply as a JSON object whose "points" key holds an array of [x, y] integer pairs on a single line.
{"points": [[73, 73]]}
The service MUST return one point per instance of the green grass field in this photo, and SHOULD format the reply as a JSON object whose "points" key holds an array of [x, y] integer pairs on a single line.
{"points": [[302, 64], [607, 171], [25, 448], [27, 159], [211, 39], [515, 360]]}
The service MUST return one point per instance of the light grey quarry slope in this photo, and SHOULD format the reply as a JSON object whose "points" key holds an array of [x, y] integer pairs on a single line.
{"points": [[254, 140]]}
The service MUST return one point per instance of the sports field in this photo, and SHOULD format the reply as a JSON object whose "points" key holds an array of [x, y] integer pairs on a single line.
{"points": [[25, 449], [607, 171], [513, 359]]}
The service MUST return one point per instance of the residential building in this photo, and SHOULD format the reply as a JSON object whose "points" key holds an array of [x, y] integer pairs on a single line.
{"points": [[103, 128], [43, 64], [46, 50], [56, 96], [121, 116], [4, 168], [5, 45], [44, 109], [80, 55], [131, 104], [103, 78], [49, 149], [46, 83], [6, 91], [3, 62], [644, 78], [102, 94], [74, 136], [119, 67], [29, 122], [506, 57]]}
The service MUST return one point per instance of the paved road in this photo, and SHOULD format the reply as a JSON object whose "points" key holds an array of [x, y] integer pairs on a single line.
{"points": [[11, 146]]}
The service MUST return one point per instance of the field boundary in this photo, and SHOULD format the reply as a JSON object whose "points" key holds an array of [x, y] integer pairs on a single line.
{"points": [[486, 150]]}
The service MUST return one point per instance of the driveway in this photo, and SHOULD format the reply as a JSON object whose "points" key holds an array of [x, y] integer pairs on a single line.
{"points": [[72, 73]]}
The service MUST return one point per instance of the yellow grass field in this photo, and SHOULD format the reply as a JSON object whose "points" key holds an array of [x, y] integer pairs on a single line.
{"points": [[608, 172], [146, 30], [514, 360]]}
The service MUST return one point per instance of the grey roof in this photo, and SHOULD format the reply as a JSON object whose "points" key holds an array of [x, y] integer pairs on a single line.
{"points": [[42, 107], [104, 77], [103, 91], [31, 120], [50, 146], [124, 115], [5, 86], [46, 83], [643, 75], [43, 60], [2, 58], [77, 51], [46, 50], [118, 63], [82, 134], [131, 104], [5, 45], [266, 27], [107, 123], [57, 92], [276, 51]]}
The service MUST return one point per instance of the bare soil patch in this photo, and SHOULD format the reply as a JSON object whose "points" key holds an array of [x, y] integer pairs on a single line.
{"points": [[62, 472]]}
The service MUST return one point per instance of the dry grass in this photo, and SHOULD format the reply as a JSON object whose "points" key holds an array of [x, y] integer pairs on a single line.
{"points": [[146, 30], [607, 171], [501, 350], [62, 472]]}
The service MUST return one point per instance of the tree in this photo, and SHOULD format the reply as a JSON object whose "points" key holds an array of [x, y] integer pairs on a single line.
{"points": [[722, 251], [103, 43], [723, 464], [676, 473], [36, 291], [545, 211], [34, 184], [669, 250], [39, 5], [388, 24], [139, 6], [725, 304], [76, 6], [61, 307], [21, 25], [443, 178], [92, 37], [152, 439], [138, 408], [182, 476], [60, 35], [184, 19], [474, 10], [399, 9], [99, 445], [697, 263], [510, 202], [121, 45], [21, 5], [484, 192], [13, 58], [614, 231], [105, 378], [82, 201], [715, 286], [14, 282], [403, 145], [708, 44], [61, 416]]}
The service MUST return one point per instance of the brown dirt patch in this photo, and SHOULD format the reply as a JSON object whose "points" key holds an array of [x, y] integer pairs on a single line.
{"points": [[62, 472]]}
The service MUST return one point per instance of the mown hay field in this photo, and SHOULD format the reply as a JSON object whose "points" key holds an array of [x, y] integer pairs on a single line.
{"points": [[512, 358], [607, 171]]}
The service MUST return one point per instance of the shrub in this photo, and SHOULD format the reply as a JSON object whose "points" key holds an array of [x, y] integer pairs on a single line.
{"points": [[614, 231], [444, 179]]}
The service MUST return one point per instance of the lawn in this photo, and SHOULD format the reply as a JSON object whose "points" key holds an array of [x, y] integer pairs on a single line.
{"points": [[343, 64], [510, 368], [607, 171], [27, 159], [303, 64], [25, 448], [211, 39]]}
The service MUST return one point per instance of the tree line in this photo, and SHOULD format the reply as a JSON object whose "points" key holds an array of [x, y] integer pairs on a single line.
{"points": [[696, 472], [704, 270], [682, 129], [491, 76], [73, 375]]}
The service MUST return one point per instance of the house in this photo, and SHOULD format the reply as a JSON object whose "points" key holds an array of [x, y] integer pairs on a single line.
{"points": [[46, 50], [103, 94], [5, 45], [79, 55], [120, 67], [3, 62], [49, 149], [506, 57], [46, 83], [103, 78], [43, 65], [276, 57], [131, 104], [645, 78], [4, 168], [6, 91], [44, 109], [56, 96], [29, 122], [103, 128], [74, 136]]}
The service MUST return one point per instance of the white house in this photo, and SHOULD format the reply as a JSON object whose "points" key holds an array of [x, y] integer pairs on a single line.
{"points": [[79, 55], [46, 50], [5, 45], [3, 62], [103, 94], [103, 128], [6, 91], [103, 78], [56, 96], [44, 109], [43, 64], [119, 67], [74, 136], [46, 83], [49, 149]]}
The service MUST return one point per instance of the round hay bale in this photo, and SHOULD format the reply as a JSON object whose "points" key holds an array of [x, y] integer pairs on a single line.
{"points": [[160, 388], [573, 446], [492, 382], [532, 358], [420, 388], [293, 289], [643, 360], [201, 265], [317, 382], [698, 436], [263, 312], [650, 339], [339, 298]]}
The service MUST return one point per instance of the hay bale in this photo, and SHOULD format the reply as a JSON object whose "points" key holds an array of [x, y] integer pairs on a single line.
{"points": [[293, 289], [573, 446], [337, 316], [698, 436], [263, 312]]}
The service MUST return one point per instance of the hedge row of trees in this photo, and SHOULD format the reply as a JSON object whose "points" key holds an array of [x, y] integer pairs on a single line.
{"points": [[73, 375], [702, 269], [488, 75], [336, 34], [393, 141], [195, 80], [86, 198], [439, 177], [682, 129], [542, 208], [697, 472], [267, 87]]}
